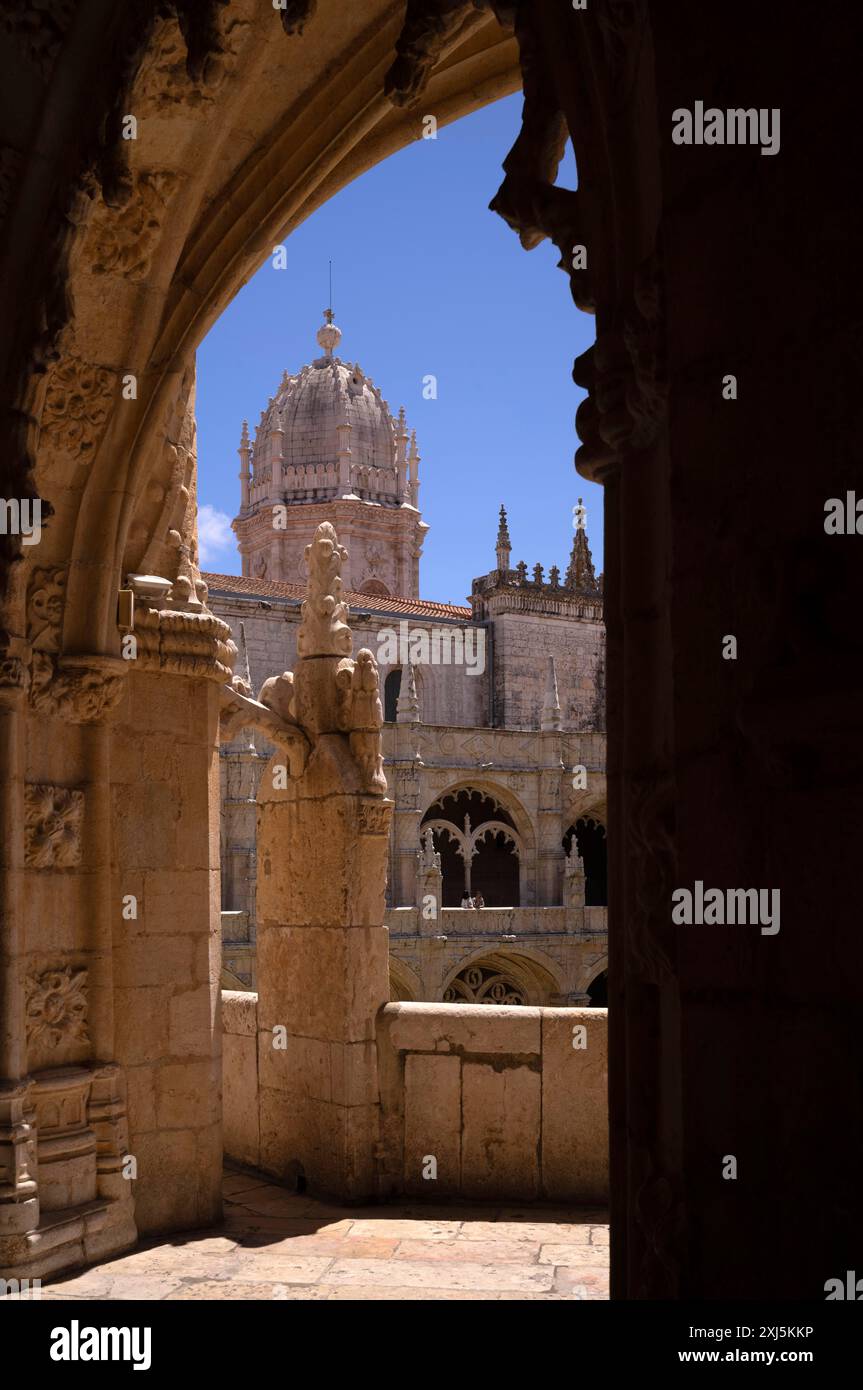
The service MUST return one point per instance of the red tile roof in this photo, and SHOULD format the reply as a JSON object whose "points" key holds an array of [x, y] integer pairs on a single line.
{"points": [[362, 603]]}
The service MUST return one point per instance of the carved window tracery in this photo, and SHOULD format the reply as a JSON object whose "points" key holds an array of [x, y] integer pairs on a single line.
{"points": [[481, 984]]}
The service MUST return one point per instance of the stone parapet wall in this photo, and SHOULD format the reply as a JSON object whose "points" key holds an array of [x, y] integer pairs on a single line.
{"points": [[500, 1098], [487, 921], [240, 1077]]}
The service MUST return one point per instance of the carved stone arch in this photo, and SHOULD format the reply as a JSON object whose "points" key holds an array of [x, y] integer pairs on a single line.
{"points": [[503, 796], [405, 984], [514, 886], [159, 250], [535, 975]]}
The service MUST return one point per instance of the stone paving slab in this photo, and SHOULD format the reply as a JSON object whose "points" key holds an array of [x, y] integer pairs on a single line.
{"points": [[277, 1245]]}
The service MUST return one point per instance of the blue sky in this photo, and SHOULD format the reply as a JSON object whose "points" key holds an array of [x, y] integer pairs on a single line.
{"points": [[425, 281]]}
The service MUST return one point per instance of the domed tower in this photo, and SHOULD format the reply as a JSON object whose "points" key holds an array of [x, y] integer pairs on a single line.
{"points": [[327, 449]]}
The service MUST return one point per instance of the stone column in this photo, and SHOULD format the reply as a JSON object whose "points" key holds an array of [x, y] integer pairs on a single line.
{"points": [[429, 886], [322, 948]]}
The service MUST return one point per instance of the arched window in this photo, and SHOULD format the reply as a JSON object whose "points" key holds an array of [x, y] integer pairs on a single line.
{"points": [[375, 589], [478, 846], [392, 687]]}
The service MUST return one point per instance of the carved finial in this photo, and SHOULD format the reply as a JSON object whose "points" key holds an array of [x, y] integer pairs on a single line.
{"points": [[428, 856], [407, 706], [537, 574], [580, 575], [574, 861], [329, 335], [504, 548], [554, 577], [324, 630], [550, 721], [521, 572], [242, 680], [244, 435]]}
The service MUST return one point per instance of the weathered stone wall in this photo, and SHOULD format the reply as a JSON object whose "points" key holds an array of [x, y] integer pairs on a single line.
{"points": [[499, 1097], [447, 694], [522, 642]]}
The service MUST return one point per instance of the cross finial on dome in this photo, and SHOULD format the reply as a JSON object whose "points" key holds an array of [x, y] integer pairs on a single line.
{"points": [[329, 334]]}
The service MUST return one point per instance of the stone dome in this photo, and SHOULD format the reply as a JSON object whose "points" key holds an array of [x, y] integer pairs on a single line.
{"points": [[310, 406]]}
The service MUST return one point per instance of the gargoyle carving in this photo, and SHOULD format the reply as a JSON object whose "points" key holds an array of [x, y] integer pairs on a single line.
{"points": [[330, 692]]}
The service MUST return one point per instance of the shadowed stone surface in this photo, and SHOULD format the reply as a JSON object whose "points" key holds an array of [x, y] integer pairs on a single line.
{"points": [[278, 1245]]}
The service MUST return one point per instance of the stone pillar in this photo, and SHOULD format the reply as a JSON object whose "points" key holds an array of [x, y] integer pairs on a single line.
{"points": [[322, 947], [277, 457], [429, 886], [574, 889], [344, 456]]}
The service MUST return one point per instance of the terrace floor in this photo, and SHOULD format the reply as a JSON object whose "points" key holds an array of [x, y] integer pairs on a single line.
{"points": [[275, 1244]]}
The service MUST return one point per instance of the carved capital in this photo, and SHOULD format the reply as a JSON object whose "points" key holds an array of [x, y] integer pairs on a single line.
{"points": [[80, 689], [192, 644]]}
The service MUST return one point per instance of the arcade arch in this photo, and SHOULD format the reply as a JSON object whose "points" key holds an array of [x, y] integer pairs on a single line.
{"points": [[482, 847]]}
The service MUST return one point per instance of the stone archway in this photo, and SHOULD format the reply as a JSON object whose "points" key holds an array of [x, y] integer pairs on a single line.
{"points": [[517, 976], [486, 844]]}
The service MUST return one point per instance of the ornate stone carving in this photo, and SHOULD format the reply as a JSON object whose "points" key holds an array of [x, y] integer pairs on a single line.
{"points": [[83, 695], [429, 29], [57, 1007], [324, 630], [14, 666], [478, 984], [80, 689], [77, 406], [361, 715], [375, 817], [164, 79], [428, 858], [45, 608], [52, 827], [184, 644], [122, 241]]}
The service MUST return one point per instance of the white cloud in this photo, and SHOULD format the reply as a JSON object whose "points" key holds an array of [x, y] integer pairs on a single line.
{"points": [[216, 540]]}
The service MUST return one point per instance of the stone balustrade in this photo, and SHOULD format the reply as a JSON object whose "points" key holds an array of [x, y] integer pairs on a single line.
{"points": [[495, 921]]}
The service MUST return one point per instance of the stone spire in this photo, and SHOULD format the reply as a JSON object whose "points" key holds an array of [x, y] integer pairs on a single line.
{"points": [[580, 575], [414, 466], [329, 335], [503, 542], [408, 706], [550, 722], [244, 451]]}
